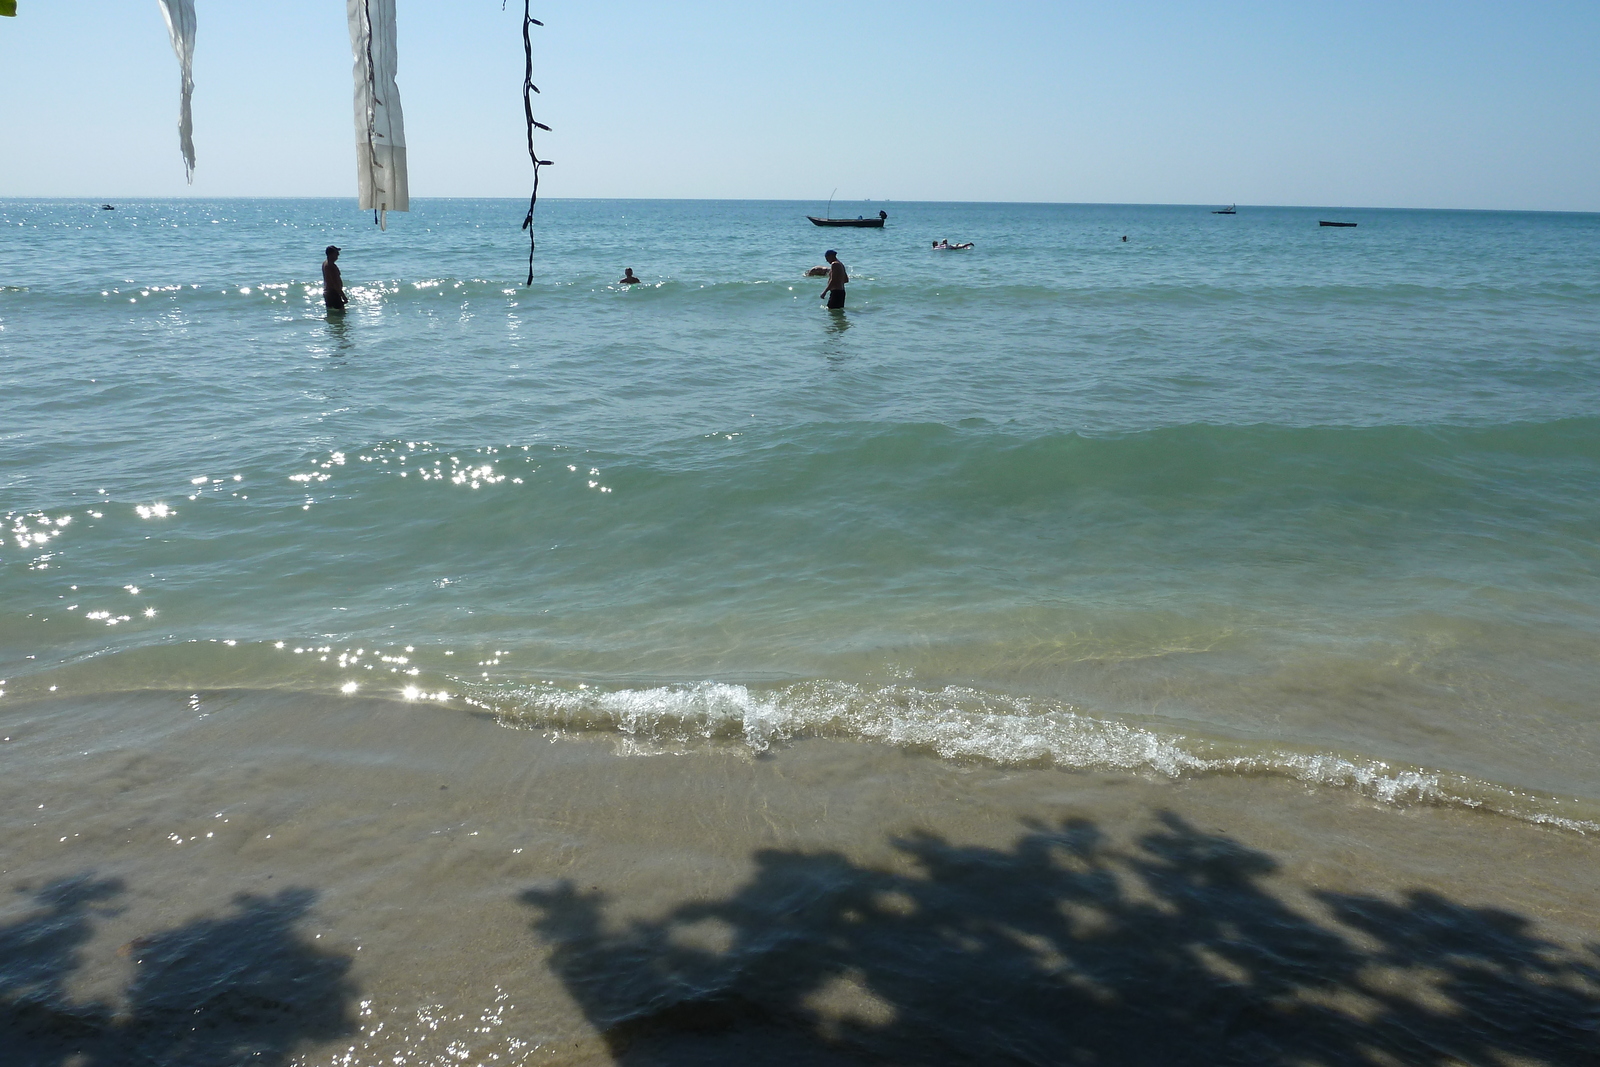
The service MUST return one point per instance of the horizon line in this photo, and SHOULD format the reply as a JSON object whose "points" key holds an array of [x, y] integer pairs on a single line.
{"points": [[773, 200]]}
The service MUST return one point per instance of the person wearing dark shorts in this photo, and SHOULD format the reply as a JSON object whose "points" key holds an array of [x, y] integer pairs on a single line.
{"points": [[837, 277], [332, 282]]}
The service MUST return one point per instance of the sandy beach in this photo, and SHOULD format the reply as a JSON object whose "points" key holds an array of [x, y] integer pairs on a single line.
{"points": [[216, 876]]}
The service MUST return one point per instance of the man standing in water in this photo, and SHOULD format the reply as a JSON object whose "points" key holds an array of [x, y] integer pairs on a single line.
{"points": [[837, 278], [332, 281]]}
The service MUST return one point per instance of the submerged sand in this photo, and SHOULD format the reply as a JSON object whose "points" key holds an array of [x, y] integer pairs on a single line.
{"points": [[214, 877]]}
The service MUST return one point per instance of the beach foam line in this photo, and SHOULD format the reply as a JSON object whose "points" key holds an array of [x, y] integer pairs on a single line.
{"points": [[959, 723]]}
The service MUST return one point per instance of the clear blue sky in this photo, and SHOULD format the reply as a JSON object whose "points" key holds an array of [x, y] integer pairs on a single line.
{"points": [[1406, 103]]}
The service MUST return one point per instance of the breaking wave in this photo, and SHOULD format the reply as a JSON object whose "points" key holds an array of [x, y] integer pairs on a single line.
{"points": [[959, 723]]}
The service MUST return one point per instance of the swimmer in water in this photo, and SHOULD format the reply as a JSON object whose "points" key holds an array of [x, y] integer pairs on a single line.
{"points": [[333, 281], [629, 278], [838, 278]]}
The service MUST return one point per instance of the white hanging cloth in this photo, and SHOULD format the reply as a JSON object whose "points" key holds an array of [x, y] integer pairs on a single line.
{"points": [[180, 26], [380, 129]]}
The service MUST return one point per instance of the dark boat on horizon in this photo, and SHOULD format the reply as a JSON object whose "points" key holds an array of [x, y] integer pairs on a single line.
{"points": [[1336, 223], [1231, 209], [876, 223]]}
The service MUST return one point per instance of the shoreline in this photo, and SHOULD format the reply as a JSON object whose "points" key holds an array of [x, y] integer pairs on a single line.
{"points": [[1024, 727]]}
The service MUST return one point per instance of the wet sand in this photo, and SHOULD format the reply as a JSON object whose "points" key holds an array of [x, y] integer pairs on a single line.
{"points": [[207, 878]]}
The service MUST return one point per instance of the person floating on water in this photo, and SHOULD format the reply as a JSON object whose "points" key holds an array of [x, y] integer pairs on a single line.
{"points": [[837, 279], [629, 278], [817, 272], [945, 246], [332, 281]]}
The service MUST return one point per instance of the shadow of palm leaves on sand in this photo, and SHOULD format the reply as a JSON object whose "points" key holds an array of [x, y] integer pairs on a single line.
{"points": [[1064, 949], [245, 987]]}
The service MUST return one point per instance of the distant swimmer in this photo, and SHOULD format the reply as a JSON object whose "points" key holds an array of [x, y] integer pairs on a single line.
{"points": [[946, 246], [629, 278], [817, 272], [838, 278], [333, 281], [1124, 238]]}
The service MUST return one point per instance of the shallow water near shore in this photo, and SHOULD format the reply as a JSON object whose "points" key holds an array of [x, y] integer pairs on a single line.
{"points": [[1282, 532]]}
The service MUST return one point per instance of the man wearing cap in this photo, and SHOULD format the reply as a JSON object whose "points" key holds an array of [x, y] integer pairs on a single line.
{"points": [[836, 281], [332, 283]]}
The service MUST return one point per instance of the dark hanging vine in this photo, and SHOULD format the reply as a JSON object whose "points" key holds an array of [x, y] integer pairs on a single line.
{"points": [[528, 89]]}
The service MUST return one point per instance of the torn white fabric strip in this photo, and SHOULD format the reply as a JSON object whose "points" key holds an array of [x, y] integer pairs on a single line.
{"points": [[180, 26], [380, 127]]}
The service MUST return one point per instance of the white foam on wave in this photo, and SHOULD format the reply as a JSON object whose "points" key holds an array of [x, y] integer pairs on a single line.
{"points": [[966, 724]]}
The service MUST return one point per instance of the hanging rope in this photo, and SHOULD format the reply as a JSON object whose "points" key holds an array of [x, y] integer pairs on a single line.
{"points": [[528, 89]]}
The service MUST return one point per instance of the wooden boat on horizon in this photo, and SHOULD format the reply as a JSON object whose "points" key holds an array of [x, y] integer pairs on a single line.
{"points": [[1325, 223], [876, 223]]}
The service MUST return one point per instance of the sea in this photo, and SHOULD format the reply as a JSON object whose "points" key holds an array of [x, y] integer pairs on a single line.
{"points": [[496, 672]]}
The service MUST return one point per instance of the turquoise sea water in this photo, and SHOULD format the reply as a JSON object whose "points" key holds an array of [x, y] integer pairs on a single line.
{"points": [[1240, 495]]}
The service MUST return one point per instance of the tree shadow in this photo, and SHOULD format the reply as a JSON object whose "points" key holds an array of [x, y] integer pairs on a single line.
{"points": [[38, 955], [243, 987], [1065, 949]]}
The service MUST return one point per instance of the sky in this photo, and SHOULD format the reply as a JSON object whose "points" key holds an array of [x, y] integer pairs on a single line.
{"points": [[1413, 103]]}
